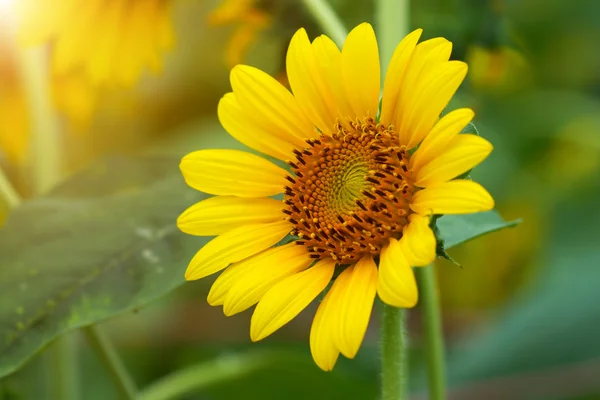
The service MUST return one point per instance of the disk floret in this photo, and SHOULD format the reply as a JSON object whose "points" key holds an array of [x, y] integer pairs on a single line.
{"points": [[350, 191]]}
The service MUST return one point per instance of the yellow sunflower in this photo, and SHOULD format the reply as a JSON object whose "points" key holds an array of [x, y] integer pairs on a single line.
{"points": [[110, 41], [363, 185]]}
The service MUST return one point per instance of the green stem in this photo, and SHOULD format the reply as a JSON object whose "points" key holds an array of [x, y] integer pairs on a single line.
{"points": [[191, 379], [393, 354], [392, 17], [434, 339], [45, 129], [328, 19], [8, 192], [61, 368], [107, 354], [392, 25], [46, 165]]}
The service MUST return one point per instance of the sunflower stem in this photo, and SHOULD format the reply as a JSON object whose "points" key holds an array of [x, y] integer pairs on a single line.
{"points": [[109, 357], [434, 339], [330, 22], [392, 17], [392, 25], [393, 354]]}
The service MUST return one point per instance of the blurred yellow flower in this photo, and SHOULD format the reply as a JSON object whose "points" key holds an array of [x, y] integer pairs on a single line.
{"points": [[109, 41], [14, 120], [77, 98], [358, 194], [14, 124], [250, 21]]}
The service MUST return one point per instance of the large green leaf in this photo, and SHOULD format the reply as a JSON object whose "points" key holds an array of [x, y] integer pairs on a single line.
{"points": [[103, 243]]}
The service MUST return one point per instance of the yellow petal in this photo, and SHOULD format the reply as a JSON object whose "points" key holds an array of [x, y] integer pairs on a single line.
{"points": [[286, 299], [426, 57], [268, 268], [73, 37], [329, 60], [232, 274], [230, 11], [254, 132], [308, 86], [438, 138], [235, 245], [462, 153], [232, 172], [263, 96], [220, 214], [165, 30], [396, 284], [455, 197], [101, 57], [431, 99], [418, 242], [322, 346], [360, 71], [241, 40], [40, 21], [395, 74], [356, 305]]}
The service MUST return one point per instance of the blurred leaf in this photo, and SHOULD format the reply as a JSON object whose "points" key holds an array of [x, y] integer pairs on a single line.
{"points": [[265, 372], [101, 244], [457, 229]]}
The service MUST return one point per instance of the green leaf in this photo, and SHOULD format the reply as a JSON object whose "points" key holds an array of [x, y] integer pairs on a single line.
{"points": [[457, 229], [101, 244]]}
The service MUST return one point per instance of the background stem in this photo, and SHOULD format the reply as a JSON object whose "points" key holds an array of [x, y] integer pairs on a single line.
{"points": [[45, 160], [393, 354], [107, 354], [434, 339], [328, 19], [393, 23], [45, 141], [62, 373], [222, 369], [8, 192]]}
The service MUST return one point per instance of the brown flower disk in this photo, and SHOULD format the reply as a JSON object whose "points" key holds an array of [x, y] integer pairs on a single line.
{"points": [[351, 191]]}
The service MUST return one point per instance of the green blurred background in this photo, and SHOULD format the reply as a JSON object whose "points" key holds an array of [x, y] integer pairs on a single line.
{"points": [[522, 315]]}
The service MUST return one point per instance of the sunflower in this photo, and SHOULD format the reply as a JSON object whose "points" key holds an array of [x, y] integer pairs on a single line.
{"points": [[358, 197], [109, 41]]}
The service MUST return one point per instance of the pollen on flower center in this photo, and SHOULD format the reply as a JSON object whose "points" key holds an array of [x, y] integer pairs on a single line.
{"points": [[351, 191]]}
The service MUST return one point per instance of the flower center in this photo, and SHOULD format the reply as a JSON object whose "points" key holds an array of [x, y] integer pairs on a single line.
{"points": [[351, 191]]}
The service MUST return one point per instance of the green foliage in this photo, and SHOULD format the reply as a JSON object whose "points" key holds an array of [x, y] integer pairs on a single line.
{"points": [[103, 243], [554, 322], [458, 229]]}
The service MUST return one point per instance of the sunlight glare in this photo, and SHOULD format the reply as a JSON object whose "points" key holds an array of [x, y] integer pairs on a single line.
{"points": [[7, 7], [7, 14]]}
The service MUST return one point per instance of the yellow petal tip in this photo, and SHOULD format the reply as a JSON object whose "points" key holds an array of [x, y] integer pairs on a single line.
{"points": [[256, 336], [189, 275]]}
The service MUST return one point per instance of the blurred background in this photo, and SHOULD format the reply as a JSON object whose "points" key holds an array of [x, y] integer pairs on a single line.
{"points": [[522, 315]]}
